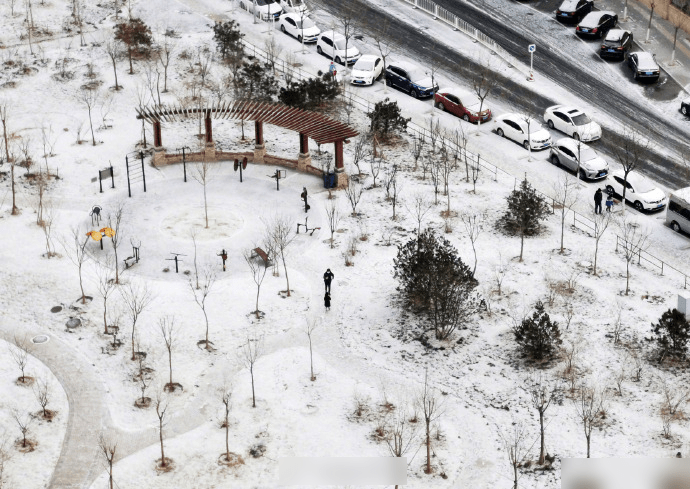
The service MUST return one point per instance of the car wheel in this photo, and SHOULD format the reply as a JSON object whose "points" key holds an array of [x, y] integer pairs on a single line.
{"points": [[609, 190], [466, 118], [338, 60], [684, 110], [413, 93], [525, 145], [441, 107], [636, 76], [576, 136], [299, 39], [583, 176], [282, 29], [319, 50], [549, 123], [675, 226], [555, 161], [638, 206], [499, 131]]}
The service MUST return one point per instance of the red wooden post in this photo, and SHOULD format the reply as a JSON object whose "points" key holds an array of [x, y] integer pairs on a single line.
{"points": [[259, 133], [157, 139], [209, 128], [339, 166], [303, 143]]}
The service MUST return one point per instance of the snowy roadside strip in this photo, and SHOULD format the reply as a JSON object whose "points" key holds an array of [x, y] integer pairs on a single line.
{"points": [[439, 13], [583, 222]]}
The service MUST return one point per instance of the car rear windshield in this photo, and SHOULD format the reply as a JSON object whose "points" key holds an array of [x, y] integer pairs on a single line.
{"points": [[305, 24], [581, 120], [364, 65], [608, 42]]}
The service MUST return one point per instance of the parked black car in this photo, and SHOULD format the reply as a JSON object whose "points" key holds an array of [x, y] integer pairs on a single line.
{"points": [[410, 79], [616, 44], [574, 10], [685, 107], [644, 66], [596, 24]]}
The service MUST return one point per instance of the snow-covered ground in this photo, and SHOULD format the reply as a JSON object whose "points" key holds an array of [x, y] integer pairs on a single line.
{"points": [[363, 347]]}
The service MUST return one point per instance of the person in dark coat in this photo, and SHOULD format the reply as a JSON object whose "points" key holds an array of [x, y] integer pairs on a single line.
{"points": [[327, 277], [327, 301], [609, 203], [598, 196]]}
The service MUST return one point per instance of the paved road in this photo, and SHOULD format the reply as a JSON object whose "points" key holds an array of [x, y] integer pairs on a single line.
{"points": [[561, 67]]}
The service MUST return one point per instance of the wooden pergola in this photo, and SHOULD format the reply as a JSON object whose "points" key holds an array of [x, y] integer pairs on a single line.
{"points": [[308, 124]]}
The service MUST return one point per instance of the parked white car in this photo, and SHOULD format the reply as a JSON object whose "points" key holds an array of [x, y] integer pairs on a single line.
{"points": [[639, 190], [332, 45], [573, 122], [262, 8], [566, 152], [367, 69], [298, 26], [517, 127], [294, 6]]}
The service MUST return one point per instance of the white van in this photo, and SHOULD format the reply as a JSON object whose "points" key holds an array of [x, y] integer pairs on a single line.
{"points": [[678, 212]]}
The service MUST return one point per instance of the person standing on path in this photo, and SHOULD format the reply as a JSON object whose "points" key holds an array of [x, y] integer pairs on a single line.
{"points": [[609, 203], [327, 278], [598, 196], [327, 301]]}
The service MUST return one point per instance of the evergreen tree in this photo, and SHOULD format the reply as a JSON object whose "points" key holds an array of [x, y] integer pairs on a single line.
{"points": [[386, 119], [672, 333], [256, 83], [526, 210], [228, 39], [136, 36], [310, 94], [538, 336], [435, 282]]}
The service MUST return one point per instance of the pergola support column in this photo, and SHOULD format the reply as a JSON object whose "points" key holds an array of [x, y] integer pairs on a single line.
{"points": [[304, 158], [158, 149], [259, 146], [341, 176]]}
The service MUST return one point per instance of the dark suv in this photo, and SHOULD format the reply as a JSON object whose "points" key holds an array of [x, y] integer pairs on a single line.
{"points": [[410, 79], [616, 44]]}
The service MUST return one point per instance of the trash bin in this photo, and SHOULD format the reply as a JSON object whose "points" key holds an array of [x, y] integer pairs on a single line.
{"points": [[329, 180]]}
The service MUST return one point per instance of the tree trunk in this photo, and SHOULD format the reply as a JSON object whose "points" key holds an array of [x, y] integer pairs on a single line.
{"points": [[627, 276], [117, 87], [206, 318], [282, 255], [596, 250], [81, 286], [227, 435], [251, 371], [105, 317], [522, 244], [93, 137], [562, 226], [541, 426], [131, 68], [205, 203], [428, 448], [160, 431], [515, 475], [588, 439], [134, 355], [258, 289], [110, 472], [15, 209], [117, 270], [170, 365]]}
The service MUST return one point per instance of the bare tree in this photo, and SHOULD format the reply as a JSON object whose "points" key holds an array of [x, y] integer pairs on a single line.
{"points": [[106, 286], [166, 325], [115, 50], [4, 117], [353, 191], [279, 232], [484, 82], [202, 173], [208, 279], [42, 391], [24, 421], [75, 247], [309, 330], [162, 405], [543, 391], [565, 197], [360, 152], [514, 443], [258, 274], [633, 241], [590, 410], [500, 272], [5, 456], [136, 298], [473, 225], [333, 216], [225, 396], [108, 448], [629, 149], [396, 188], [89, 98], [20, 355], [417, 148], [250, 352], [115, 222], [166, 53], [418, 209], [47, 218], [374, 164], [429, 405], [601, 223]]}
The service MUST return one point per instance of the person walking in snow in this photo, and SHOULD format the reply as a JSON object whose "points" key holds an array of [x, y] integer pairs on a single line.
{"points": [[598, 196], [609, 203], [327, 301], [327, 277]]}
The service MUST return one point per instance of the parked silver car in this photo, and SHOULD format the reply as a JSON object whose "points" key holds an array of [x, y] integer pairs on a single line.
{"points": [[567, 152]]}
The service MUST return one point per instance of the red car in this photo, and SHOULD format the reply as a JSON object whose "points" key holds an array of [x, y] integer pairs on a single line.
{"points": [[462, 103]]}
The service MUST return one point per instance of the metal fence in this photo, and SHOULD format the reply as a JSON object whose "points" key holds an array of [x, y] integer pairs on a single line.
{"points": [[579, 221], [460, 25]]}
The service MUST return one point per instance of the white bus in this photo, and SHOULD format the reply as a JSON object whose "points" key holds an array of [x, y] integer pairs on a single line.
{"points": [[678, 210]]}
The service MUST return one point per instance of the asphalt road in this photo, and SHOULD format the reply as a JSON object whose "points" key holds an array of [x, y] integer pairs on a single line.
{"points": [[566, 72]]}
